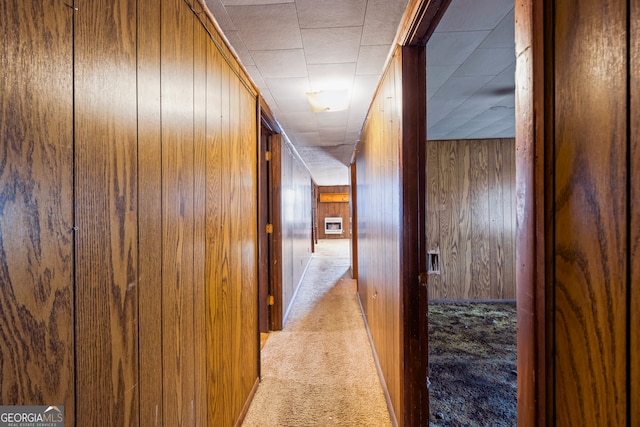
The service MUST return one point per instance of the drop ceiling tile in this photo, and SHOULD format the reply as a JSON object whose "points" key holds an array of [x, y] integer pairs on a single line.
{"points": [[280, 63], [331, 45], [220, 15], [309, 139], [290, 93], [453, 48], [267, 27], [491, 130], [487, 62], [329, 76], [437, 75], [464, 112], [505, 82], [255, 75], [474, 15], [364, 88], [371, 59], [460, 87], [254, 2], [332, 134], [303, 122], [335, 118], [238, 46], [330, 13], [503, 36], [381, 21]]}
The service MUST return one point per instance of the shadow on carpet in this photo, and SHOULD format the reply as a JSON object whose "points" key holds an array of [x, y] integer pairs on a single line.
{"points": [[472, 364]]}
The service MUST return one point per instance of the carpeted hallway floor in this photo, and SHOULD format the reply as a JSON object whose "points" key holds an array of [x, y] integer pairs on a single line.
{"points": [[319, 370]]}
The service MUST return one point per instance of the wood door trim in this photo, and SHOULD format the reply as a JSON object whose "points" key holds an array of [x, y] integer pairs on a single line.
{"points": [[534, 400], [276, 316]]}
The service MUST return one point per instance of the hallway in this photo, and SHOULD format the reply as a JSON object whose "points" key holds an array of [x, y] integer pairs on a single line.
{"points": [[319, 370]]}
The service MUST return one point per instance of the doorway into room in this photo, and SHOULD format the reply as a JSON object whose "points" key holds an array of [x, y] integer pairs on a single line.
{"points": [[470, 186]]}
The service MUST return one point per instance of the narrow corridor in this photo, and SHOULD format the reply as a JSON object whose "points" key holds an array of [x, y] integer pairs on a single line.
{"points": [[319, 370]]}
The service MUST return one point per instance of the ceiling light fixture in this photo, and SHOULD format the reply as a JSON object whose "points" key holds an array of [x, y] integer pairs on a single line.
{"points": [[328, 100]]}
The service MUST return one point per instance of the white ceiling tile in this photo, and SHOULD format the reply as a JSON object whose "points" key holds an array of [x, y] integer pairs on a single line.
{"points": [[330, 13], [239, 47], [381, 21], [331, 76], [302, 122], [220, 15], [503, 35], [267, 27], [470, 15], [254, 2], [255, 75], [280, 63], [487, 62], [308, 139], [364, 88], [453, 48], [332, 45], [460, 87], [371, 59], [335, 118], [437, 75], [290, 93]]}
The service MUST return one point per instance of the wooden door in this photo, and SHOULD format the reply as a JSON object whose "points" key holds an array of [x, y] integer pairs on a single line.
{"points": [[264, 202]]}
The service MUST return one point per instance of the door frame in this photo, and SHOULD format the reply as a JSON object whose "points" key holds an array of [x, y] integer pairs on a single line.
{"points": [[269, 243], [419, 22]]}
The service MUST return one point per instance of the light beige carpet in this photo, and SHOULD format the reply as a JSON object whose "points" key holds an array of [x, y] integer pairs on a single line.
{"points": [[319, 370]]}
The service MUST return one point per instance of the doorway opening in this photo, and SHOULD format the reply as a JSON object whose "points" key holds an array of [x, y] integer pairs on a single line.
{"points": [[470, 186]]}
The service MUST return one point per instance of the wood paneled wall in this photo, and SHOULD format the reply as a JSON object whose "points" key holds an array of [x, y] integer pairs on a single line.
{"points": [[591, 202], [471, 218], [37, 364], [128, 215], [106, 213], [378, 174], [333, 209], [296, 223], [578, 180]]}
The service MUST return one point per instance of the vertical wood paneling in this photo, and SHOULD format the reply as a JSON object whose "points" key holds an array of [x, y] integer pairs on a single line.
{"points": [[217, 395], [479, 220], [177, 212], [249, 349], [106, 213], [506, 251], [294, 184], [201, 41], [150, 214], [36, 206], [470, 216], [590, 243], [434, 205], [450, 220], [634, 200], [378, 212], [226, 284], [234, 230], [465, 219], [166, 338], [496, 227]]}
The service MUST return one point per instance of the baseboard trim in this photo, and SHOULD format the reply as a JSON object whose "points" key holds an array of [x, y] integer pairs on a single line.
{"points": [[295, 293], [385, 390], [247, 404]]}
